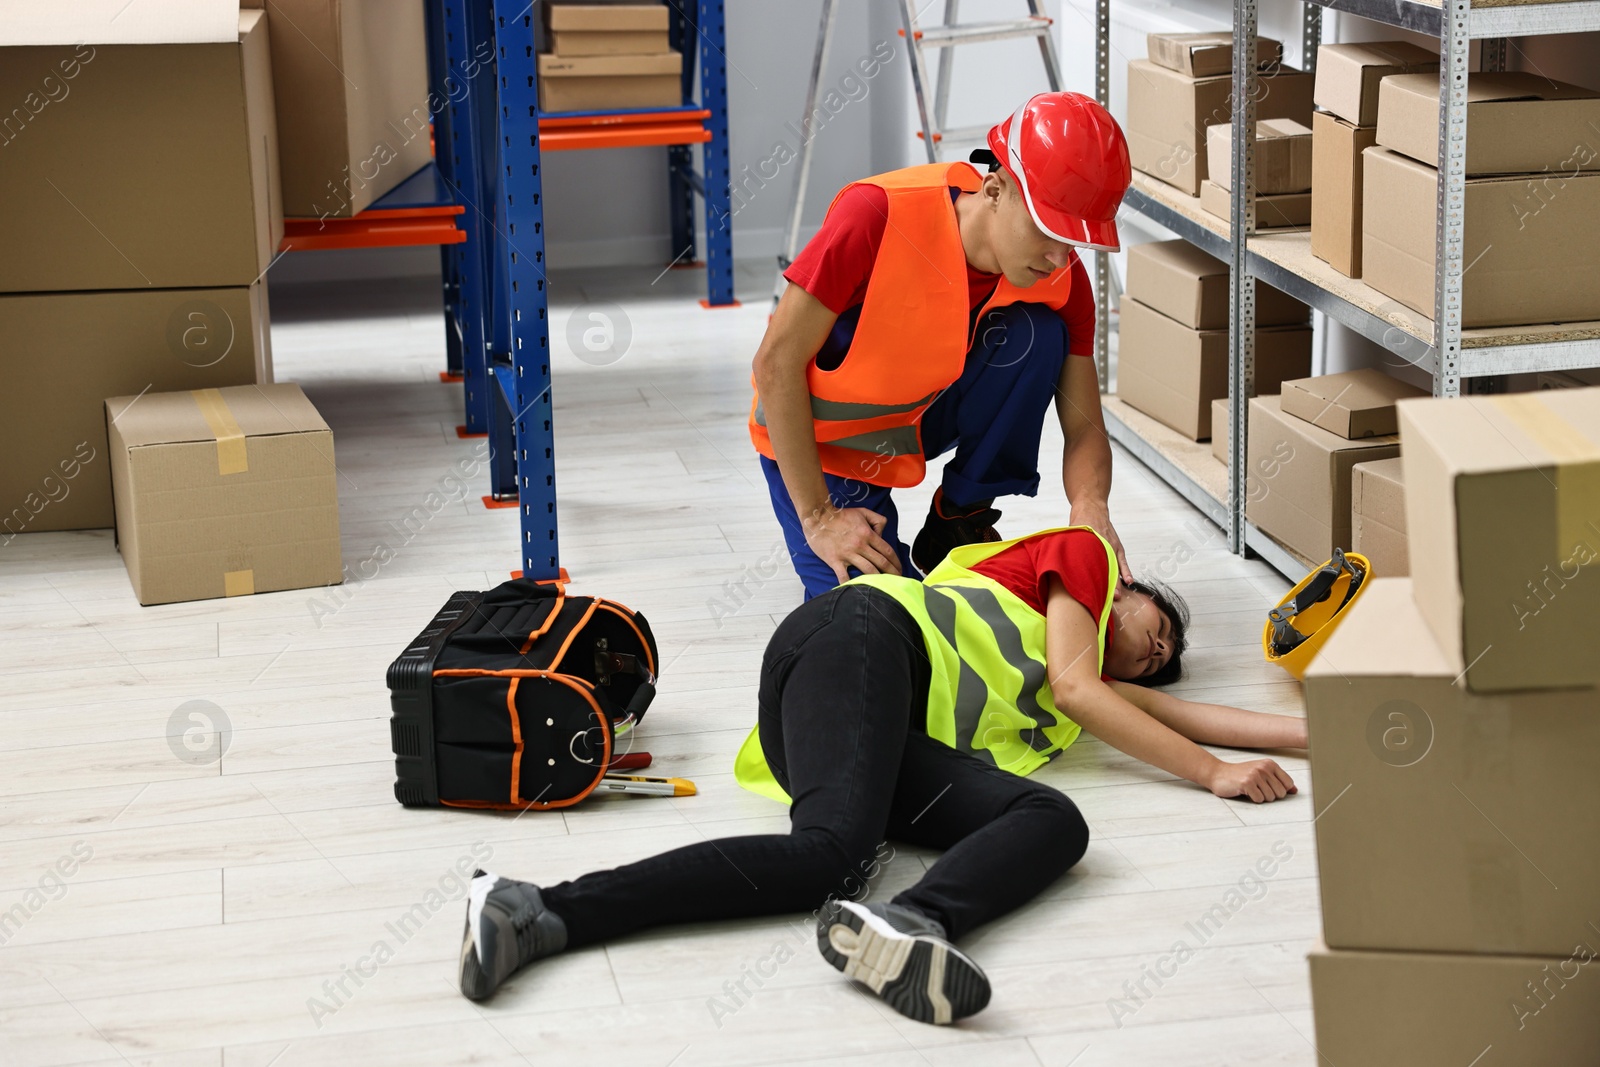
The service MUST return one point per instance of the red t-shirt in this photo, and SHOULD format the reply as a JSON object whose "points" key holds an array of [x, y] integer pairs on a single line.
{"points": [[1076, 557], [835, 264]]}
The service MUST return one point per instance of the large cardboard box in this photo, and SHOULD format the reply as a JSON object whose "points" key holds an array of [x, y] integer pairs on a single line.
{"points": [[1532, 255], [1272, 212], [1336, 148], [1282, 160], [354, 112], [1443, 839], [607, 29], [1221, 437], [1356, 403], [1200, 55], [1378, 516], [1190, 285], [145, 166], [591, 83], [1348, 75], [1299, 478], [223, 492], [1517, 123], [1393, 1009], [1503, 508], [1172, 373], [65, 353], [1168, 113]]}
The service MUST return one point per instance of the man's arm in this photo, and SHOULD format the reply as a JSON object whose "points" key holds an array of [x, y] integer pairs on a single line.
{"points": [[1086, 459], [841, 537]]}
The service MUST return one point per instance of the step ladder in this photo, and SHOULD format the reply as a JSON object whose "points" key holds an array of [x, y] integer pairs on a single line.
{"points": [[935, 134]]}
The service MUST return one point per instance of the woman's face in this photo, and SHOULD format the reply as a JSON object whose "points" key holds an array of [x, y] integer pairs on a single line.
{"points": [[1142, 642]]}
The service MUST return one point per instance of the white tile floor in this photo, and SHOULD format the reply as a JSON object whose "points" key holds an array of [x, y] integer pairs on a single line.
{"points": [[218, 906]]}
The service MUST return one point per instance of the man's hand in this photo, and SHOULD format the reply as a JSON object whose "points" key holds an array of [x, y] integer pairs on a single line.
{"points": [[850, 537], [1098, 517], [1262, 780]]}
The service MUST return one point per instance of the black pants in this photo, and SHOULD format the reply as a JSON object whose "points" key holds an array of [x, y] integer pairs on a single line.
{"points": [[843, 694]]}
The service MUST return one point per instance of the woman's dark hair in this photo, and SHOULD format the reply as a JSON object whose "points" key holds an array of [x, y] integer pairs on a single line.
{"points": [[1171, 605]]}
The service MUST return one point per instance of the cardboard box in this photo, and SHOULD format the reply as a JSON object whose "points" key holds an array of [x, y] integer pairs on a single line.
{"points": [[1272, 212], [1348, 76], [65, 353], [1283, 156], [223, 492], [1299, 478], [354, 110], [1200, 55], [149, 166], [1533, 242], [1336, 148], [1356, 403], [1221, 436], [606, 18], [1378, 516], [608, 42], [1444, 840], [1184, 283], [593, 83], [1168, 113], [1391, 1009], [1503, 506], [1517, 123], [1172, 373]]}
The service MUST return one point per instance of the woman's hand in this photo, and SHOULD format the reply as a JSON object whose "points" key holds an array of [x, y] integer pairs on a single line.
{"points": [[1262, 780]]}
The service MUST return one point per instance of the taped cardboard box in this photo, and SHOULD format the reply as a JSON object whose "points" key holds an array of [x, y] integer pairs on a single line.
{"points": [[1272, 212], [1221, 436], [1534, 247], [1190, 285], [139, 166], [1517, 123], [65, 353], [1378, 516], [1168, 113], [1173, 373], [223, 492], [1444, 839], [354, 110], [1503, 510], [1391, 1009], [1348, 76], [1356, 403], [1298, 478], [593, 83], [1200, 55], [1336, 175], [607, 29], [1282, 156]]}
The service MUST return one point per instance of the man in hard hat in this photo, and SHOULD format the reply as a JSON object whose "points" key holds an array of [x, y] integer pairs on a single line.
{"points": [[941, 307]]}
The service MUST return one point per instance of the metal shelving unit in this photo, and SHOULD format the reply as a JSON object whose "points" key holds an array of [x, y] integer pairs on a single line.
{"points": [[489, 139], [1282, 258]]}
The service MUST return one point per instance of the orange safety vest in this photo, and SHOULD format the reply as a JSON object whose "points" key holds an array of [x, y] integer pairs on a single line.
{"points": [[912, 339]]}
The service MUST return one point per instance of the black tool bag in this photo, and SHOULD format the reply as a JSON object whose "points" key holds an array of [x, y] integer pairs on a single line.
{"points": [[514, 698]]}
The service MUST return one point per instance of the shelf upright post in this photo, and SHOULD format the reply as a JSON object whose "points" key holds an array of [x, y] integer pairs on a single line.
{"points": [[1310, 35], [1455, 39], [450, 256], [523, 367], [680, 157], [711, 28], [1242, 226], [1102, 260]]}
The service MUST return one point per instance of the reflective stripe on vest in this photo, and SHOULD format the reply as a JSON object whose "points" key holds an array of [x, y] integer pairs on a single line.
{"points": [[988, 691]]}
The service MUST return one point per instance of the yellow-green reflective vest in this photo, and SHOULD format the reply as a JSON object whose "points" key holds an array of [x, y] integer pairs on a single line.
{"points": [[989, 693]]}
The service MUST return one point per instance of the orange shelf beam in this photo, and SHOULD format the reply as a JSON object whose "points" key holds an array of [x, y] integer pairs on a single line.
{"points": [[376, 229], [558, 133]]}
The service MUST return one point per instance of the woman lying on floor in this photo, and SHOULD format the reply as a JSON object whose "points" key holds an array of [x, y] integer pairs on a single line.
{"points": [[891, 708]]}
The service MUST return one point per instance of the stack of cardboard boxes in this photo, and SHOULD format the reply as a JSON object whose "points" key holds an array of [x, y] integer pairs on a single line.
{"points": [[1454, 731], [1531, 227], [1303, 448], [1282, 173], [1172, 354], [605, 56], [1185, 87]]}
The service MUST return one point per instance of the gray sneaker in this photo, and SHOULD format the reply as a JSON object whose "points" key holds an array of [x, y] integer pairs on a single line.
{"points": [[508, 926], [902, 956]]}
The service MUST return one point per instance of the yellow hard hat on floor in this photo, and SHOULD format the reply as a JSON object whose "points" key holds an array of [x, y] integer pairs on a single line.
{"points": [[1303, 620]]}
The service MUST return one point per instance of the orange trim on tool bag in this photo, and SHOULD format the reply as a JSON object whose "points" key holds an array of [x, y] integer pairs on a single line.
{"points": [[612, 606], [549, 621], [562, 651], [516, 738], [483, 672]]}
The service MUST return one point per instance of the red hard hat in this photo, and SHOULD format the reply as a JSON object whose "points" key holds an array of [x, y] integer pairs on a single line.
{"points": [[1070, 159]]}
